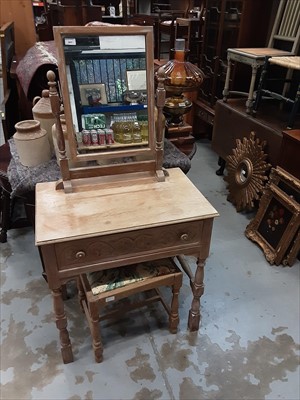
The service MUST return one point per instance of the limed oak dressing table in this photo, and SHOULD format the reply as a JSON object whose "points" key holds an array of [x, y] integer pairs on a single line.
{"points": [[120, 207], [108, 226]]}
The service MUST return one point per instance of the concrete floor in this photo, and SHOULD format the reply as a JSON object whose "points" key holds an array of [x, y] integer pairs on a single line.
{"points": [[247, 347]]}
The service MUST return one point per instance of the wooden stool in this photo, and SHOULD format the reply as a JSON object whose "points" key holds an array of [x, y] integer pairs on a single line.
{"points": [[290, 63], [99, 288]]}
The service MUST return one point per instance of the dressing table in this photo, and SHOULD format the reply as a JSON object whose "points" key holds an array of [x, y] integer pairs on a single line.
{"points": [[122, 206]]}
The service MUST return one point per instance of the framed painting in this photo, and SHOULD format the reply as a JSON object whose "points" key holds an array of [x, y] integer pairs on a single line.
{"points": [[275, 224], [136, 80], [293, 251], [286, 182], [93, 94]]}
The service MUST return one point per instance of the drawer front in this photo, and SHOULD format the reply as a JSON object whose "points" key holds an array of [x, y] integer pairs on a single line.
{"points": [[202, 114], [111, 247], [210, 119]]}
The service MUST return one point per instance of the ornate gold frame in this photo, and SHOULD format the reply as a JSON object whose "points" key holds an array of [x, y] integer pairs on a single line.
{"points": [[257, 232], [286, 182], [246, 172], [290, 185], [292, 251]]}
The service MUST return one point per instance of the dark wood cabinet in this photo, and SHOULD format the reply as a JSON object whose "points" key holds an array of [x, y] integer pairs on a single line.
{"points": [[289, 152], [230, 23]]}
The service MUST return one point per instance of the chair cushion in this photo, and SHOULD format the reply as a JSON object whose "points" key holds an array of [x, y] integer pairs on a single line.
{"points": [[173, 157], [110, 279]]}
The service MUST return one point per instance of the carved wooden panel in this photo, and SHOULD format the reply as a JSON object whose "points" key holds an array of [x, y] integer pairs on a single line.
{"points": [[89, 251]]}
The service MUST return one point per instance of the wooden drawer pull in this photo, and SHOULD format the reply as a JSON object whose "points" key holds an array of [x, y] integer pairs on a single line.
{"points": [[184, 237], [80, 254]]}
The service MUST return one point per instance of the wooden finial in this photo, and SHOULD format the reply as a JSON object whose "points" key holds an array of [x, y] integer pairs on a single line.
{"points": [[160, 124]]}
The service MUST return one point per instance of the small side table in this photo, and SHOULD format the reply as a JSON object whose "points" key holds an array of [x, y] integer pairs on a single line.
{"points": [[255, 57]]}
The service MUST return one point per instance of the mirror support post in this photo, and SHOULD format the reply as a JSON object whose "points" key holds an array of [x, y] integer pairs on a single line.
{"points": [[160, 124], [55, 107]]}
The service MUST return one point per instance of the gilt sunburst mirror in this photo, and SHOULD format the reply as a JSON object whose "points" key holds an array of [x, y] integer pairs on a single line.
{"points": [[246, 172]]}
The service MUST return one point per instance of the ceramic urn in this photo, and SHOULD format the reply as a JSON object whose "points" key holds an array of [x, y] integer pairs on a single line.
{"points": [[32, 143]]}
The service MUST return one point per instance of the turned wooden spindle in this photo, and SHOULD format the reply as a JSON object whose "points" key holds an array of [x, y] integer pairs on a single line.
{"points": [[55, 106], [63, 160], [160, 125]]}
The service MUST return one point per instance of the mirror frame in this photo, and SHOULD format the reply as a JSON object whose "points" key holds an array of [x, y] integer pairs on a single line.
{"points": [[77, 31]]}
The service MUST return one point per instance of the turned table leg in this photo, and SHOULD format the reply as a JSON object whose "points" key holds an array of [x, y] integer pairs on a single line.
{"points": [[227, 80], [174, 317], [61, 323], [198, 288], [95, 331]]}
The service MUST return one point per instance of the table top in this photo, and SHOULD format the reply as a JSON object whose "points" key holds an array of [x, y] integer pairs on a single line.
{"points": [[258, 52], [109, 206], [293, 134]]}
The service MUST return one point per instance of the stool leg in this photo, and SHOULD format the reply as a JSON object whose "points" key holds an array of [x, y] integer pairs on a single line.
{"points": [[81, 294], [95, 331], [227, 79], [261, 85], [174, 317], [249, 102]]}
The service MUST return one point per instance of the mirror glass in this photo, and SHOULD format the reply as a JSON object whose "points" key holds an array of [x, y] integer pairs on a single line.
{"points": [[106, 82], [243, 172]]}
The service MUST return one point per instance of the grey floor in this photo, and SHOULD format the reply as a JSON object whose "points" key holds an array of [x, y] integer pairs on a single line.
{"points": [[247, 347]]}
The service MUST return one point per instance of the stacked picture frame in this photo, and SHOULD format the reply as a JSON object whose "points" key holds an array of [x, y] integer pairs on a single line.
{"points": [[276, 225]]}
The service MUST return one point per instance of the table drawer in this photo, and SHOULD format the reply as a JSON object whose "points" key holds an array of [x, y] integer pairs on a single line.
{"points": [[112, 247]]}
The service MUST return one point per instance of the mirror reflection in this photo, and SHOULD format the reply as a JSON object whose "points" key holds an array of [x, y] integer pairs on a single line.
{"points": [[106, 77]]}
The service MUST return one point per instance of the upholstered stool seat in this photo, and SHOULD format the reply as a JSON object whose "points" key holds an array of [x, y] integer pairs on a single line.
{"points": [[101, 288]]}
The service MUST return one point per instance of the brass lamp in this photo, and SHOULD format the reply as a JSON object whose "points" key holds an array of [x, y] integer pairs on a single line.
{"points": [[180, 76]]}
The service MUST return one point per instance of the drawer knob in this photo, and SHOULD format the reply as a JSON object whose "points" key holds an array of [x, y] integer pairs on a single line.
{"points": [[184, 237], [80, 254]]}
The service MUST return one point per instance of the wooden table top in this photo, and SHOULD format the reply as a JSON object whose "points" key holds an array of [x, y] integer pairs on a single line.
{"points": [[258, 52], [109, 206]]}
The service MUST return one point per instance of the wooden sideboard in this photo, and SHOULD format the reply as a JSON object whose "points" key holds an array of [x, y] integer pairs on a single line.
{"points": [[107, 224], [231, 122], [289, 152]]}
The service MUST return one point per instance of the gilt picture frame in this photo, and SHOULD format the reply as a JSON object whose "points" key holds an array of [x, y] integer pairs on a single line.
{"points": [[275, 224], [93, 94], [293, 251], [286, 182]]}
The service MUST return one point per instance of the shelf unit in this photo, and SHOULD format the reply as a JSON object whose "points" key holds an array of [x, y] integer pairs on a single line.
{"points": [[228, 23]]}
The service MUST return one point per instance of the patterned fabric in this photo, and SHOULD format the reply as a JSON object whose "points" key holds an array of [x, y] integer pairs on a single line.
{"points": [[173, 157], [41, 55], [23, 179], [110, 279]]}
